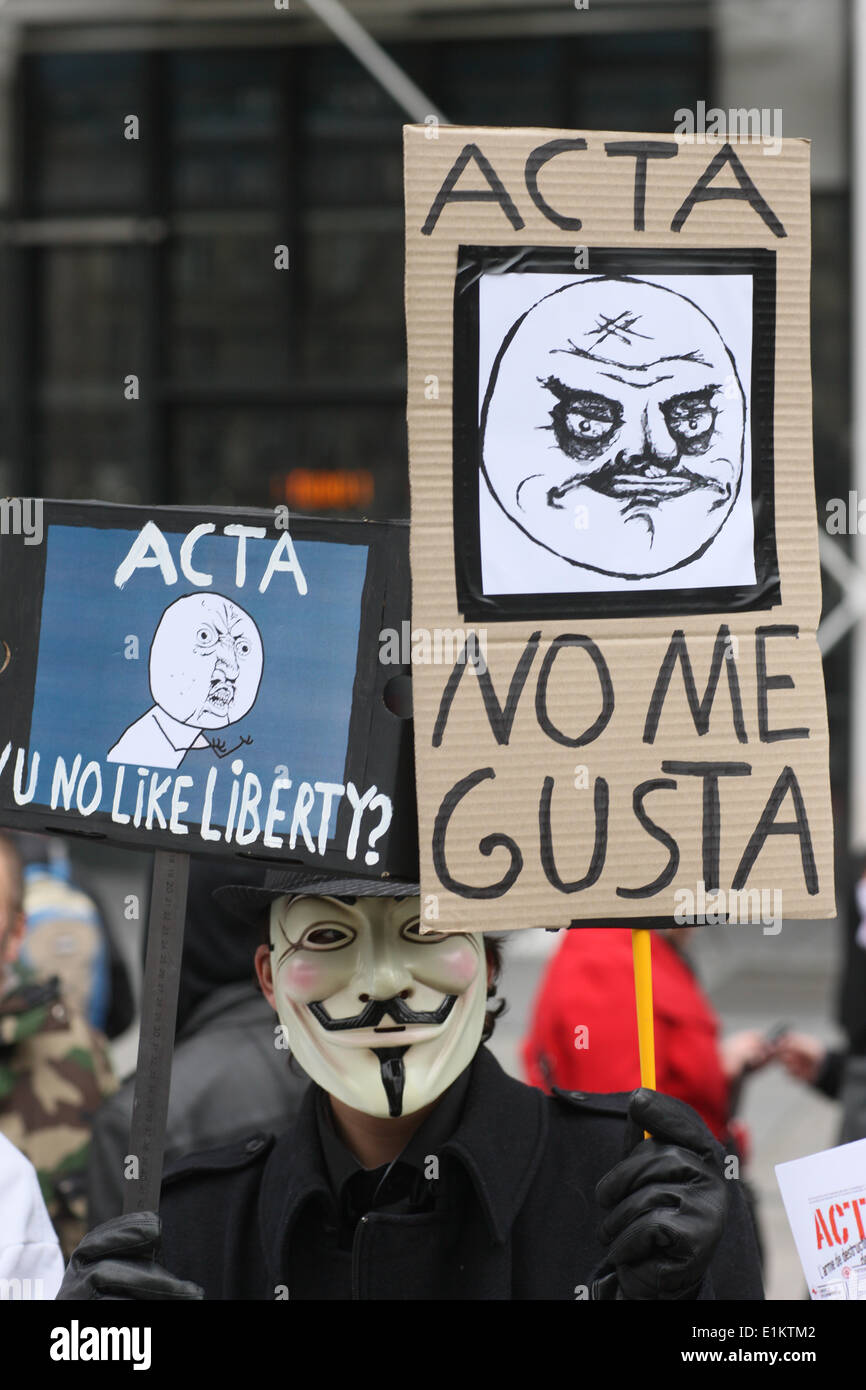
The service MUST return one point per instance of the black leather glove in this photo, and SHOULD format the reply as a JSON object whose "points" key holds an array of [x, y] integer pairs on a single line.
{"points": [[666, 1202], [117, 1260]]}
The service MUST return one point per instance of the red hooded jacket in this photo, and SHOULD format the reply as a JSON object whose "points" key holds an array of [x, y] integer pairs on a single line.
{"points": [[583, 1035]]}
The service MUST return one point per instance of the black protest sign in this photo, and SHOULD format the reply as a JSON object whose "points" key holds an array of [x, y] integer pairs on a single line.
{"points": [[206, 680]]}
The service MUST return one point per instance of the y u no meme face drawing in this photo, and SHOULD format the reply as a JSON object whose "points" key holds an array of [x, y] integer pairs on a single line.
{"points": [[205, 668], [616, 401]]}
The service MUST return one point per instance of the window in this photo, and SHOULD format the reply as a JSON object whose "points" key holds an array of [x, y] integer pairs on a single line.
{"points": [[155, 256]]}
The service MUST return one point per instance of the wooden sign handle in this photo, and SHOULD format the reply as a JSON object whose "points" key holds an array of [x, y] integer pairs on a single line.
{"points": [[143, 1161], [641, 945]]}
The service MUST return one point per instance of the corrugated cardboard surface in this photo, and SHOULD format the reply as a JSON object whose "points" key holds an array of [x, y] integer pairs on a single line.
{"points": [[600, 190]]}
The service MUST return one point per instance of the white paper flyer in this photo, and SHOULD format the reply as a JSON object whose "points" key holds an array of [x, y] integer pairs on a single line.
{"points": [[825, 1200]]}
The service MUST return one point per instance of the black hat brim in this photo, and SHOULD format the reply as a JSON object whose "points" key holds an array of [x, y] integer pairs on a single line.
{"points": [[249, 903]]}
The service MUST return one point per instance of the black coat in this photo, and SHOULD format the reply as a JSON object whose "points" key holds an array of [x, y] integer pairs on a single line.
{"points": [[518, 1220], [227, 1080]]}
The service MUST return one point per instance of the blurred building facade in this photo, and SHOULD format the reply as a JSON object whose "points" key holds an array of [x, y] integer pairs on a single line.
{"points": [[154, 153]]}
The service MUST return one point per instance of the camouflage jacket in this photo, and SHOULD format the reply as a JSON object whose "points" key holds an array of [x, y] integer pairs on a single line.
{"points": [[54, 1074]]}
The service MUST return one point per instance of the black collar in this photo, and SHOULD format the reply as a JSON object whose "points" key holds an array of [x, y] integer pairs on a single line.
{"points": [[499, 1141], [430, 1136]]}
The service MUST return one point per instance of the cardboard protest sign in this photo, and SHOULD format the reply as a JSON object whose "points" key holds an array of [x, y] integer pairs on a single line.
{"points": [[825, 1201], [613, 519], [207, 681]]}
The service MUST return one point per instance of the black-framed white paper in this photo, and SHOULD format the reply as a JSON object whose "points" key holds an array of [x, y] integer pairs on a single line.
{"points": [[613, 432]]}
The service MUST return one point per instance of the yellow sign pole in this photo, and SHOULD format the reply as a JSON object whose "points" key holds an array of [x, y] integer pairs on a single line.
{"points": [[641, 945]]}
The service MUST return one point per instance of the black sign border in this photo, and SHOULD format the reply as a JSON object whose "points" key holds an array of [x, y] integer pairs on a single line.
{"points": [[380, 741], [475, 261]]}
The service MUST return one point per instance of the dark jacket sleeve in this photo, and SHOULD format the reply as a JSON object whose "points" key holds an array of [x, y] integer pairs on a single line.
{"points": [[829, 1077], [210, 1227], [227, 1081], [735, 1273]]}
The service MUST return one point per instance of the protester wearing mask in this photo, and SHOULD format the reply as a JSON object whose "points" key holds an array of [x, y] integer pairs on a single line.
{"points": [[416, 1168]]}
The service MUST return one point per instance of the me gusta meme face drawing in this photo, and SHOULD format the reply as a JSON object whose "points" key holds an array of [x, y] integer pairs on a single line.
{"points": [[614, 425], [205, 668]]}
